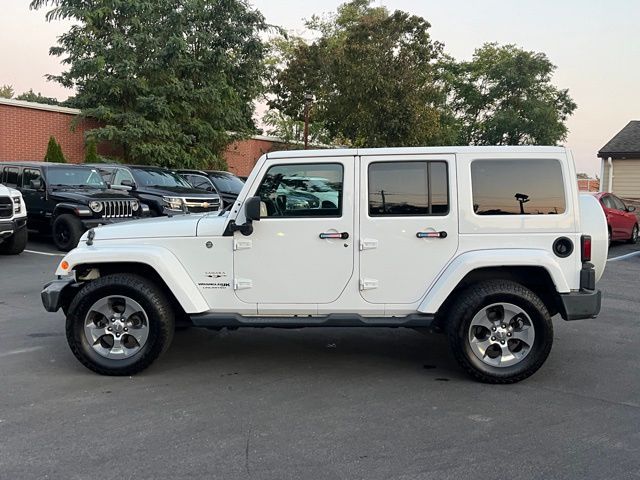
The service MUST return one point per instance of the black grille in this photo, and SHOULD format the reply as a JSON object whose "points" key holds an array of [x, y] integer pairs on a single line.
{"points": [[6, 207]]}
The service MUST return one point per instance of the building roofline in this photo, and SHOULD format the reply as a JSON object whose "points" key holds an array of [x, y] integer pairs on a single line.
{"points": [[39, 106]]}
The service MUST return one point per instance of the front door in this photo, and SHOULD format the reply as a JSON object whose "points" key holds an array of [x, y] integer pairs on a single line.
{"points": [[301, 251], [408, 224]]}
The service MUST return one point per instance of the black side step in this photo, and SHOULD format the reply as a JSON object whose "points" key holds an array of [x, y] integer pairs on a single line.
{"points": [[218, 320]]}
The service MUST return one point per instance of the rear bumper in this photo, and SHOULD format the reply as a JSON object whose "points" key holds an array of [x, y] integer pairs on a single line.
{"points": [[581, 305]]}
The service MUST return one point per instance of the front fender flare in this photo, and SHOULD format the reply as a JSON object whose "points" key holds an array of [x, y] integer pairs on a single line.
{"points": [[162, 260], [465, 263]]}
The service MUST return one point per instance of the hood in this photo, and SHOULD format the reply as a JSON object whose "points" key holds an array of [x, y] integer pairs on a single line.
{"points": [[85, 195], [176, 191], [156, 227], [7, 191]]}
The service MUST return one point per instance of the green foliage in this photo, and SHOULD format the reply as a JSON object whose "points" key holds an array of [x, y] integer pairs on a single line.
{"points": [[504, 96], [168, 78], [6, 91], [32, 96], [372, 73], [91, 153], [54, 152]]}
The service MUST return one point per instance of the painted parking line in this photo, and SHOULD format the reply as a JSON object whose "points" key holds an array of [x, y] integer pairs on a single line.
{"points": [[45, 253], [624, 257], [20, 350]]}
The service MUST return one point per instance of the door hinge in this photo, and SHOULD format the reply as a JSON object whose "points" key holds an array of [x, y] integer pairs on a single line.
{"points": [[368, 243], [242, 283], [241, 244], [368, 283]]}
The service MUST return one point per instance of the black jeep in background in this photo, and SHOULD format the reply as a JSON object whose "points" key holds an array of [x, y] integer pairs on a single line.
{"points": [[165, 192], [67, 200]]}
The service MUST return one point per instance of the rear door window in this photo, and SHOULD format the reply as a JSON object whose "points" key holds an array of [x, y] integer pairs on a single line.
{"points": [[517, 187], [10, 176]]}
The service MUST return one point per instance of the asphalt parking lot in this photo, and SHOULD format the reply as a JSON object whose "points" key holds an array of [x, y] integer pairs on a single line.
{"points": [[307, 404]]}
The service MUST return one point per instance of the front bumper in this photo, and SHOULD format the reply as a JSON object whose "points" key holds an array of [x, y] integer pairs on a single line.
{"points": [[52, 293], [9, 227], [581, 304], [96, 222]]}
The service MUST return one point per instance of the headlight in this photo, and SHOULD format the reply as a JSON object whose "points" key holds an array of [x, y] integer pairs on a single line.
{"points": [[17, 204], [96, 206], [135, 205], [173, 203]]}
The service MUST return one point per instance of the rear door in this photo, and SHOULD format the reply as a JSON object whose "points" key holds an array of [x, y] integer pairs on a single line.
{"points": [[34, 199], [408, 224]]}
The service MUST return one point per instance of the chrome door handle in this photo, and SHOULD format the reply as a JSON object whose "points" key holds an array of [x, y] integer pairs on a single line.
{"points": [[442, 234], [335, 235]]}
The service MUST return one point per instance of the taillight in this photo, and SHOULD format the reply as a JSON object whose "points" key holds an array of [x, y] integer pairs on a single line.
{"points": [[585, 241]]}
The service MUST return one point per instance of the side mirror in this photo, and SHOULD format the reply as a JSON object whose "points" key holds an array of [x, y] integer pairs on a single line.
{"points": [[252, 209], [128, 183], [35, 184], [631, 209]]}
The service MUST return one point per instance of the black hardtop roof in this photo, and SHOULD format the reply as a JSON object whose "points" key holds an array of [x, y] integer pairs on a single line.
{"points": [[44, 165]]}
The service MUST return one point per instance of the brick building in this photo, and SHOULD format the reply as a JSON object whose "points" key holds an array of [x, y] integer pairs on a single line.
{"points": [[25, 128]]}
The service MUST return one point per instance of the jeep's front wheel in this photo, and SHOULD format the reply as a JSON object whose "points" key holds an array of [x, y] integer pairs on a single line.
{"points": [[119, 324], [67, 230], [500, 331]]}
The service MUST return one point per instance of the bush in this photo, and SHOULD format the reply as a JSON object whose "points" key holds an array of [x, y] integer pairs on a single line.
{"points": [[54, 152], [91, 155]]}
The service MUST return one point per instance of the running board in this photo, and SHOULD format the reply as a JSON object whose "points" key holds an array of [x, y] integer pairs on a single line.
{"points": [[218, 320]]}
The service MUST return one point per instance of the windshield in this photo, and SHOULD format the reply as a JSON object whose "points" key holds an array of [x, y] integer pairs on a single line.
{"points": [[226, 183], [158, 178], [75, 177]]}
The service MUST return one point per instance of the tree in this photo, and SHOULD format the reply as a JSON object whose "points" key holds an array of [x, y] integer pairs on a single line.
{"points": [[31, 96], [372, 73], [6, 91], [54, 152], [504, 96], [167, 78]]}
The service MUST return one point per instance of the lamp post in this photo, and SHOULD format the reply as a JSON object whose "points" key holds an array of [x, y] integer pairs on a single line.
{"points": [[308, 98]]}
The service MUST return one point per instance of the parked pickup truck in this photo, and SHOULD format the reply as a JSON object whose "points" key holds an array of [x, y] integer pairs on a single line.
{"points": [[485, 244], [13, 222]]}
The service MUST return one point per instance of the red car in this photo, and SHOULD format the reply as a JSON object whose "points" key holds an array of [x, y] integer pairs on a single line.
{"points": [[622, 222]]}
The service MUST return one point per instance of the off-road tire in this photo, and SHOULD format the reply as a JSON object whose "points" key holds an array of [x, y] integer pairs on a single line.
{"points": [[470, 301], [74, 228], [16, 243], [152, 299]]}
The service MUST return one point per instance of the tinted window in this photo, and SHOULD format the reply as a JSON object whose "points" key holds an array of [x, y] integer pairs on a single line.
{"points": [[198, 181], [10, 176], [122, 174], [617, 203], [517, 187], [159, 178], [408, 188], [226, 182], [29, 174], [284, 198], [607, 202]]}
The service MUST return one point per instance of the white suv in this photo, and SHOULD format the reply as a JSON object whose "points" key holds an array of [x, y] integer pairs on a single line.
{"points": [[13, 222], [483, 243]]}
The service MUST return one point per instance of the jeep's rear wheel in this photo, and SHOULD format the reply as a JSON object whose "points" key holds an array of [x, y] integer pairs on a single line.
{"points": [[15, 244], [67, 230], [500, 331], [119, 324]]}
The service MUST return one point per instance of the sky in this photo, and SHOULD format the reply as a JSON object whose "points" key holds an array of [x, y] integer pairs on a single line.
{"points": [[594, 45]]}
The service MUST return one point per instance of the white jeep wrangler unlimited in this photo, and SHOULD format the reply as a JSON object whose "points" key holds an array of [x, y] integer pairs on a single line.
{"points": [[483, 243], [13, 221]]}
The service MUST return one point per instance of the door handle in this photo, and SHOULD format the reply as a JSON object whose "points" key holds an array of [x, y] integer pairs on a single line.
{"points": [[336, 235], [442, 234]]}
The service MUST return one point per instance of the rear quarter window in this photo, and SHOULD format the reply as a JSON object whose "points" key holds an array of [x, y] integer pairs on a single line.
{"points": [[517, 187]]}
